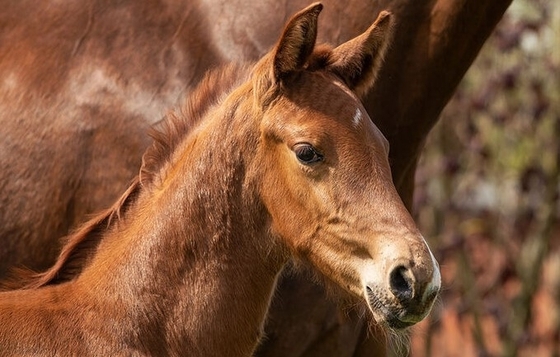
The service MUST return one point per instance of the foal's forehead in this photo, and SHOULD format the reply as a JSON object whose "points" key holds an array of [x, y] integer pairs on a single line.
{"points": [[343, 106], [319, 107], [326, 94]]}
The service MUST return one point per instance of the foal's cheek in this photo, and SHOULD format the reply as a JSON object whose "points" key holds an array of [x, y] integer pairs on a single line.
{"points": [[292, 220]]}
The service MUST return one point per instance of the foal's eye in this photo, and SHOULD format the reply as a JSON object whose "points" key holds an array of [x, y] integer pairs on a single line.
{"points": [[307, 154]]}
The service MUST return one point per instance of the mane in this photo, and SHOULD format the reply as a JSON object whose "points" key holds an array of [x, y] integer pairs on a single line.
{"points": [[169, 132], [81, 245], [78, 249]]}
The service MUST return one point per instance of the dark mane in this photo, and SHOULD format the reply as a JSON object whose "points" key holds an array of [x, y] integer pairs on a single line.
{"points": [[80, 246]]}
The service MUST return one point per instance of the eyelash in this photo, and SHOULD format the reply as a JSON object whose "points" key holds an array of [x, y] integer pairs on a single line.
{"points": [[307, 154]]}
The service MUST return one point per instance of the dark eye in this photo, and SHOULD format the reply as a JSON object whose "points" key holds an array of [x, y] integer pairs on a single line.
{"points": [[307, 154]]}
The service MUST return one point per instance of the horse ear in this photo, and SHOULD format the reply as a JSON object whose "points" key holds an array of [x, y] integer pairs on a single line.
{"points": [[296, 43], [358, 61]]}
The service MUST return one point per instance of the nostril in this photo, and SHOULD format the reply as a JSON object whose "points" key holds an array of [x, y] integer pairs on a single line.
{"points": [[401, 284]]}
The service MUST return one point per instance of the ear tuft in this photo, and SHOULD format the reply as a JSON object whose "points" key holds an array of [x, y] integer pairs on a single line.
{"points": [[359, 60], [296, 43]]}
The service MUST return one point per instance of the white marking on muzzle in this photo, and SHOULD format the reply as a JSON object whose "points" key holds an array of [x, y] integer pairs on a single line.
{"points": [[435, 283]]}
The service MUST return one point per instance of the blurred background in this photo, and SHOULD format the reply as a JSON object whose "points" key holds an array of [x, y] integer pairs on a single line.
{"points": [[487, 197]]}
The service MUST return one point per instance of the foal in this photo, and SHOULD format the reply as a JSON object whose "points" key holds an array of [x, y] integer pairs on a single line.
{"points": [[261, 165]]}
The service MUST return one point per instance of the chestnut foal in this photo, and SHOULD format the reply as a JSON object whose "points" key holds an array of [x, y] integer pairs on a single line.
{"points": [[260, 165]]}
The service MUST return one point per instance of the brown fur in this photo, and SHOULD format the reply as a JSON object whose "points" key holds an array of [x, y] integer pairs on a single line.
{"points": [[186, 261], [168, 134], [61, 160]]}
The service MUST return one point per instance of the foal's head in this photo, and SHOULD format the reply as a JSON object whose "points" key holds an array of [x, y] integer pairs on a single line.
{"points": [[326, 181]]}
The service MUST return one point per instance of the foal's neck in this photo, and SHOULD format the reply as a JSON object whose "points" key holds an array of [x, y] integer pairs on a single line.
{"points": [[192, 263]]}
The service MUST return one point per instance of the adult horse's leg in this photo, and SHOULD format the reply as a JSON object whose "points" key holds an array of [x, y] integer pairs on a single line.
{"points": [[326, 330], [302, 323]]}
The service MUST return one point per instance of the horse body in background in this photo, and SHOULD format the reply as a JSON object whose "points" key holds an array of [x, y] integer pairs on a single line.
{"points": [[261, 164], [81, 84]]}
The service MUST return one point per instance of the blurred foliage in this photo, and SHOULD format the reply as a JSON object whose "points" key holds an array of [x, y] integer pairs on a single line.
{"points": [[487, 196]]}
